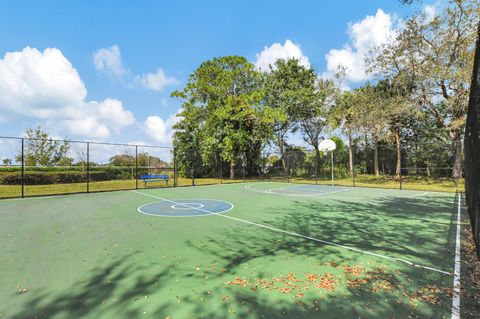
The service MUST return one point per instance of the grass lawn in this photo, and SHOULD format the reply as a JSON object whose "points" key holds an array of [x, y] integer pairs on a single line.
{"points": [[408, 183], [425, 184], [33, 190]]}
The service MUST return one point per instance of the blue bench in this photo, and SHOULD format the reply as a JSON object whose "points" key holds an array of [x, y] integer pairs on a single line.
{"points": [[154, 178]]}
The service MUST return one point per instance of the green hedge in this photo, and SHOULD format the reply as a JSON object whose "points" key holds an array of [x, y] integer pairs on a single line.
{"points": [[44, 178], [55, 175], [41, 169]]}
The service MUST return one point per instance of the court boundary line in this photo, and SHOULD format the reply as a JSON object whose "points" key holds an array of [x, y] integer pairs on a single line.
{"points": [[47, 196], [394, 259], [270, 192], [456, 275], [345, 189], [181, 204]]}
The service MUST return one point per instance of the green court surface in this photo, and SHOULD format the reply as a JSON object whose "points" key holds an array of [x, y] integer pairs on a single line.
{"points": [[247, 250]]}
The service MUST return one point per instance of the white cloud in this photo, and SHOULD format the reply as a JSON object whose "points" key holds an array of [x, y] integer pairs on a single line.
{"points": [[111, 111], [277, 51], [88, 127], [109, 60], [99, 119], [365, 35], [430, 11], [155, 81], [159, 130], [38, 84], [45, 86]]}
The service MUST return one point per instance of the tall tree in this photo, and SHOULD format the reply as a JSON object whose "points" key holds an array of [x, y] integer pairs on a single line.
{"points": [[314, 98], [223, 114], [343, 116], [397, 110], [437, 55], [187, 139], [286, 85], [371, 118]]}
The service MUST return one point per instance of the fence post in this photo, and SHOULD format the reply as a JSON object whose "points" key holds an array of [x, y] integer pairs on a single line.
{"points": [[23, 167], [400, 176], [220, 168], [174, 169], [244, 168], [136, 166], [288, 167], [88, 167], [353, 170], [317, 158], [333, 175], [193, 175]]}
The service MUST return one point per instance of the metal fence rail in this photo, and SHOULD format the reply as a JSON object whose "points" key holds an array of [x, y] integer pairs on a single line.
{"points": [[33, 167]]}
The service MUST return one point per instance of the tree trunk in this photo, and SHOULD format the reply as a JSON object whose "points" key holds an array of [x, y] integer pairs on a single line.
{"points": [[399, 152], [457, 153], [317, 160], [350, 153], [282, 158], [232, 169], [375, 158]]}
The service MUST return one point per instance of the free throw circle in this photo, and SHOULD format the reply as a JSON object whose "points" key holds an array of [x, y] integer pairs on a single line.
{"points": [[186, 207]]}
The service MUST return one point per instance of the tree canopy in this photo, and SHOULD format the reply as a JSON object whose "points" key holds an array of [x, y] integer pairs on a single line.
{"points": [[414, 104], [223, 115]]}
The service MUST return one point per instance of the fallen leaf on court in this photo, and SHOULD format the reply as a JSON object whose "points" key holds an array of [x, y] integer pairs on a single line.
{"points": [[285, 290], [239, 282]]}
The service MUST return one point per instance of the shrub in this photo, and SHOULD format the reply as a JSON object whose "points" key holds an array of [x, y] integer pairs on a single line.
{"points": [[18, 168], [45, 178]]}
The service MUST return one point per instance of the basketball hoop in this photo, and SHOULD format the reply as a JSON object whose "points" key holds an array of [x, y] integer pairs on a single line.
{"points": [[326, 146]]}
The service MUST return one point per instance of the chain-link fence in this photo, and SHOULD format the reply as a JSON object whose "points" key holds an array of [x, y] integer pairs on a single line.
{"points": [[32, 167], [472, 150], [365, 165]]}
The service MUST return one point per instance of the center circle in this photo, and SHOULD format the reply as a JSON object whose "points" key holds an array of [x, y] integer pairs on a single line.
{"points": [[187, 206]]}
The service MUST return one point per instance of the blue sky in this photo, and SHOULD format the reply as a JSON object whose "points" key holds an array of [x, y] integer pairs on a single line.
{"points": [[104, 70]]}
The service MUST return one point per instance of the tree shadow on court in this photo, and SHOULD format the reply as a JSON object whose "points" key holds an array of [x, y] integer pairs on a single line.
{"points": [[351, 304], [116, 288], [398, 227], [114, 291], [420, 231]]}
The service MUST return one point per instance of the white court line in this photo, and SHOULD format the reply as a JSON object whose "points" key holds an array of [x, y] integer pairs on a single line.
{"points": [[345, 189], [296, 193], [456, 276], [271, 191], [139, 209], [424, 193], [308, 237]]}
